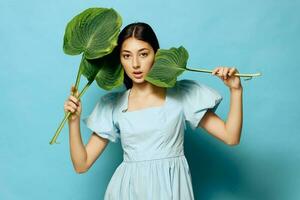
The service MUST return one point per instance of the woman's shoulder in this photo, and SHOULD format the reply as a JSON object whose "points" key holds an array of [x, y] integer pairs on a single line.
{"points": [[181, 89], [189, 89], [184, 86], [187, 83], [111, 96]]}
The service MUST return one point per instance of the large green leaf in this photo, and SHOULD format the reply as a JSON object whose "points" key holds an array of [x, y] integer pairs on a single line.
{"points": [[111, 73], [107, 71], [93, 32], [168, 64], [89, 68]]}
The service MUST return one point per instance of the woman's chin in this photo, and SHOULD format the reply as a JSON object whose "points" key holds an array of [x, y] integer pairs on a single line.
{"points": [[138, 80]]}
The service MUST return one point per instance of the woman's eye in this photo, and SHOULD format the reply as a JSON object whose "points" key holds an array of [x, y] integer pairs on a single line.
{"points": [[126, 56], [144, 54]]}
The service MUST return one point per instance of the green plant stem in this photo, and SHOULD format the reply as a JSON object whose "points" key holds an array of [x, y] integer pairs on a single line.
{"points": [[248, 76], [67, 114], [78, 75]]}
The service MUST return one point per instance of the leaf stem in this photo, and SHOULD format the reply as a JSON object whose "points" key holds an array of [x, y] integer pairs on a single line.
{"points": [[79, 75], [67, 114], [248, 76]]}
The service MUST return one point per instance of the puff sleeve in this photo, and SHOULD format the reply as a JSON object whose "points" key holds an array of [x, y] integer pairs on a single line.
{"points": [[196, 99], [101, 120]]}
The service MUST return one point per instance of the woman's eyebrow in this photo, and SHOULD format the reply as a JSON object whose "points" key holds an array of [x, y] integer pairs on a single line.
{"points": [[142, 49]]}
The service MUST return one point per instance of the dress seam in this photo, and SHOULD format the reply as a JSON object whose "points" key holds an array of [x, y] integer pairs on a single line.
{"points": [[134, 161]]}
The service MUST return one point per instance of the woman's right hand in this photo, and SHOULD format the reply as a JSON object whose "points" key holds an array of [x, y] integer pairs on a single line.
{"points": [[73, 105]]}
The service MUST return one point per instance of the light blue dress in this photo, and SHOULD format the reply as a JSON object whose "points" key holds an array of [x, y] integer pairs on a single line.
{"points": [[154, 166]]}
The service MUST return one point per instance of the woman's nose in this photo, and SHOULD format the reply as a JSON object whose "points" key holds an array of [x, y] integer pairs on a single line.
{"points": [[135, 62]]}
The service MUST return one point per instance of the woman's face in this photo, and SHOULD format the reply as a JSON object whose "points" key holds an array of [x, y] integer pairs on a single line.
{"points": [[137, 58]]}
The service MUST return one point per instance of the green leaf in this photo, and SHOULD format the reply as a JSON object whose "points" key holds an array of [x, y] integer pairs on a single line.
{"points": [[168, 65], [107, 71], [89, 68], [93, 32], [111, 73]]}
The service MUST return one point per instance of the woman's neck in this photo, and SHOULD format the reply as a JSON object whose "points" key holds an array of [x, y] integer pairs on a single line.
{"points": [[145, 89]]}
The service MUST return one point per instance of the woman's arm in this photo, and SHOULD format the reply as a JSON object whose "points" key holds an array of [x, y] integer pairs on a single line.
{"points": [[230, 131], [82, 156]]}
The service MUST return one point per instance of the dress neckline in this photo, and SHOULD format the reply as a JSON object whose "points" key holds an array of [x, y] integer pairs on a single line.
{"points": [[147, 108]]}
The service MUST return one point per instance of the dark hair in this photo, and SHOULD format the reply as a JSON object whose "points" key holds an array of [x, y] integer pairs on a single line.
{"points": [[140, 31]]}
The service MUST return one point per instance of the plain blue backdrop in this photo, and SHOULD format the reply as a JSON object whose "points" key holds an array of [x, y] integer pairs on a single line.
{"points": [[255, 36]]}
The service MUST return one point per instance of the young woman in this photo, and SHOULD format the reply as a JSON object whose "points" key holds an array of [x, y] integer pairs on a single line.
{"points": [[150, 122]]}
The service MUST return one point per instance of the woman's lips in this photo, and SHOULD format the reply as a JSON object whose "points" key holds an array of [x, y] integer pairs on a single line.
{"points": [[138, 74]]}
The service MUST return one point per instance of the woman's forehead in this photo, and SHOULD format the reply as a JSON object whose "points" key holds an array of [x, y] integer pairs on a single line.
{"points": [[133, 44]]}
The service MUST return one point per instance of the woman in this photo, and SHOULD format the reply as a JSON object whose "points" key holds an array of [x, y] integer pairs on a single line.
{"points": [[150, 121]]}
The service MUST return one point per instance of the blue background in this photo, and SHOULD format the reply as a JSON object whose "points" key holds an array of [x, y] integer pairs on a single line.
{"points": [[255, 36]]}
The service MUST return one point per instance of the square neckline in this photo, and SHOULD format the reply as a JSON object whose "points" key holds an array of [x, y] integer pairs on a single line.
{"points": [[147, 108]]}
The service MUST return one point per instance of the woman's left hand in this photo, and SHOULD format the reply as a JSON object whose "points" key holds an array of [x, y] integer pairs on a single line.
{"points": [[226, 74]]}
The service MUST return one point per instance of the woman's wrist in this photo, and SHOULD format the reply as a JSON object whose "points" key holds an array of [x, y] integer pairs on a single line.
{"points": [[236, 90], [74, 121]]}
